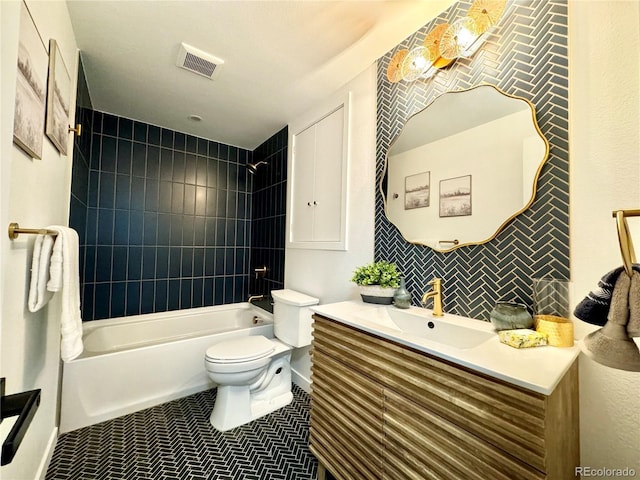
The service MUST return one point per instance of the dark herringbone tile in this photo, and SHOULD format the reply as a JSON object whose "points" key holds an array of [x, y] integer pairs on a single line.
{"points": [[525, 56], [176, 441]]}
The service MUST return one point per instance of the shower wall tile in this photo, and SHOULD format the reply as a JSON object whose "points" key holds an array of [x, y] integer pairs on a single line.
{"points": [[164, 218], [268, 211]]}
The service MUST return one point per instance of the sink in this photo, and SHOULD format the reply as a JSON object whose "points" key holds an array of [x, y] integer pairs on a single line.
{"points": [[439, 329], [451, 330]]}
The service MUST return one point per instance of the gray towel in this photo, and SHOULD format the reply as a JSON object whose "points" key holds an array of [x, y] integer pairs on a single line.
{"points": [[633, 326], [611, 344], [594, 308]]}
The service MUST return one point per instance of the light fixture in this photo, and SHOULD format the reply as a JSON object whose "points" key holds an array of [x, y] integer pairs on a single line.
{"points": [[447, 42], [394, 73], [415, 63], [432, 43], [486, 14], [458, 38]]}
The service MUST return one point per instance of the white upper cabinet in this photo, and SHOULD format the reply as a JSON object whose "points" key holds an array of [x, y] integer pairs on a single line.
{"points": [[318, 181]]}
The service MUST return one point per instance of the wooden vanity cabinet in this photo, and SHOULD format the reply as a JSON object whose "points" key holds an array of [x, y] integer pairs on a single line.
{"points": [[381, 410]]}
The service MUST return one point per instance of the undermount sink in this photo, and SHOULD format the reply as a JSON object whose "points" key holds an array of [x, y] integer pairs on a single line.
{"points": [[450, 330]]}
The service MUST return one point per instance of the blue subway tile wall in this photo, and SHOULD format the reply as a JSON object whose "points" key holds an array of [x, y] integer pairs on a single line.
{"points": [[269, 211], [529, 42], [165, 219], [81, 157]]}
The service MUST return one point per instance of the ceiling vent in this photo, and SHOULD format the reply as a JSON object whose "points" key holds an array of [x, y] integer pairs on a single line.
{"points": [[197, 61]]}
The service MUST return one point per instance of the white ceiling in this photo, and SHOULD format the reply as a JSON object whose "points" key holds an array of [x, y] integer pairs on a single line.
{"points": [[281, 57]]}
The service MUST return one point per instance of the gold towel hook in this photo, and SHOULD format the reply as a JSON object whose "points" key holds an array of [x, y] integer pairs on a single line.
{"points": [[624, 239], [77, 130]]}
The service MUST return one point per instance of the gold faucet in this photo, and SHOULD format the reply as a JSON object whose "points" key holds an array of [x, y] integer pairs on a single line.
{"points": [[436, 293], [255, 297]]}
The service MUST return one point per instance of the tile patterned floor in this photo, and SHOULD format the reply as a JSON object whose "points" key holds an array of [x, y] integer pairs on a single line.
{"points": [[176, 441]]}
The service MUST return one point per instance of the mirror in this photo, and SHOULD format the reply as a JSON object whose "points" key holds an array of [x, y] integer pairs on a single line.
{"points": [[463, 167]]}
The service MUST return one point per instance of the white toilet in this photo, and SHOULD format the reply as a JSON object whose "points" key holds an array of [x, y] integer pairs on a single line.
{"points": [[253, 373]]}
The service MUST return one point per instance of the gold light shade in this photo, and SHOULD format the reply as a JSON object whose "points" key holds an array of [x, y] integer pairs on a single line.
{"points": [[486, 14], [432, 44], [394, 74], [415, 64], [459, 37]]}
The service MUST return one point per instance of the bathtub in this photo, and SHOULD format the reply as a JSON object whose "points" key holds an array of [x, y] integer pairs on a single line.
{"points": [[136, 362]]}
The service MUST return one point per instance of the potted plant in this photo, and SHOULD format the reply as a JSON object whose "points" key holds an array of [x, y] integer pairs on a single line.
{"points": [[378, 281]]}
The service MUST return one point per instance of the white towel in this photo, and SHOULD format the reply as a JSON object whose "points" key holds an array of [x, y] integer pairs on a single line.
{"points": [[65, 255], [38, 295], [55, 268]]}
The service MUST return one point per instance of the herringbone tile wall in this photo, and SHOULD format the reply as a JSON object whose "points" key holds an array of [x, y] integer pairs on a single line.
{"points": [[526, 56], [176, 441]]}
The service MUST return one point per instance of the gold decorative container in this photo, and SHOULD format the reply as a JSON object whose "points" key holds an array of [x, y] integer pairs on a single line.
{"points": [[559, 330]]}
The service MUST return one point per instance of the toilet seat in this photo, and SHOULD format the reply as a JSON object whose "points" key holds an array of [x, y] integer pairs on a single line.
{"points": [[240, 350]]}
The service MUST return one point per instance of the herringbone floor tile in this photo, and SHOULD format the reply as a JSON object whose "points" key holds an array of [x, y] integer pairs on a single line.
{"points": [[176, 441]]}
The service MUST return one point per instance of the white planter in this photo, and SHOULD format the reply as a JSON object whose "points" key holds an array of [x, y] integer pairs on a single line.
{"points": [[377, 294]]}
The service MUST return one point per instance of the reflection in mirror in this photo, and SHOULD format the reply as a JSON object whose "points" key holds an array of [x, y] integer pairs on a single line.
{"points": [[463, 167]]}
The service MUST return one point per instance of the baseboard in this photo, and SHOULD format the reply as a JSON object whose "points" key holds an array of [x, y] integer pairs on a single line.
{"points": [[46, 459], [303, 382]]}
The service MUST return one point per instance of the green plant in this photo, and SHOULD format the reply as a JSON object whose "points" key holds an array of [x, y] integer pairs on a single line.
{"points": [[381, 273]]}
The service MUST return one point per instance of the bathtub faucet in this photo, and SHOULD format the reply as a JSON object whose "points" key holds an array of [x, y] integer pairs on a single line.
{"points": [[255, 297]]}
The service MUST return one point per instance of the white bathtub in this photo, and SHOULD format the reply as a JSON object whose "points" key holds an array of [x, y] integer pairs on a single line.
{"points": [[136, 362]]}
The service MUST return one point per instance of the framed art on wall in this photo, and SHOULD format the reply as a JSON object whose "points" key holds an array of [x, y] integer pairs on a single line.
{"points": [[28, 124], [59, 92], [455, 196], [417, 190]]}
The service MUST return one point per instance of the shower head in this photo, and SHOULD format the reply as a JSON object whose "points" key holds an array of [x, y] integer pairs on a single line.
{"points": [[253, 167]]}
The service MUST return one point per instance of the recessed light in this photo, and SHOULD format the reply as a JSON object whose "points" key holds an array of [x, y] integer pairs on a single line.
{"points": [[195, 118]]}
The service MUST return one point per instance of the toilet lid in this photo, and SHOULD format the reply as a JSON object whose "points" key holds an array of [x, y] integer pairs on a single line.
{"points": [[240, 349]]}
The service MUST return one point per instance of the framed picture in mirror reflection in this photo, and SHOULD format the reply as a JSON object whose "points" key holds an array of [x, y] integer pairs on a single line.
{"points": [[455, 196], [417, 190]]}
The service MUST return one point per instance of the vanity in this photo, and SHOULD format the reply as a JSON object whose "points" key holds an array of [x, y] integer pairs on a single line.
{"points": [[400, 394]]}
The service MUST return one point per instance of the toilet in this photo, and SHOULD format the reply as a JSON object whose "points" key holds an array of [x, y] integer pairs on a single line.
{"points": [[253, 373]]}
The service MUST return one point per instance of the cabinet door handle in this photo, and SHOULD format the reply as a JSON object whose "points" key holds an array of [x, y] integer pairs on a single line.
{"points": [[312, 204], [309, 204]]}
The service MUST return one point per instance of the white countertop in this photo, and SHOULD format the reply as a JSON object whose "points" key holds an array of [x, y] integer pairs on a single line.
{"points": [[537, 368]]}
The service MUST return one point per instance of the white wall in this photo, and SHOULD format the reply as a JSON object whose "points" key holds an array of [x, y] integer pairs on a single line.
{"points": [[35, 193], [604, 41], [326, 274]]}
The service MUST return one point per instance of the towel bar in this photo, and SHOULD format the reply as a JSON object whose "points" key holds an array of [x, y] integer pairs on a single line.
{"points": [[15, 231], [624, 238]]}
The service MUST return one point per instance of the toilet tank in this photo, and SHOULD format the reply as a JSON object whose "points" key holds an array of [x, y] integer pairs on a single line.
{"points": [[292, 317]]}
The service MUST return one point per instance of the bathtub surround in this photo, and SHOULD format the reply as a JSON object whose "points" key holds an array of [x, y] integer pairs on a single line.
{"points": [[117, 373], [80, 169], [167, 220], [525, 56], [175, 440], [269, 198]]}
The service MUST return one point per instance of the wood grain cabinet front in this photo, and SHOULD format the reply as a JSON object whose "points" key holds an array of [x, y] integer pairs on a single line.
{"points": [[381, 410]]}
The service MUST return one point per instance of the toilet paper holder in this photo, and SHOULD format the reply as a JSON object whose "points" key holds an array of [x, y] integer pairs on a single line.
{"points": [[24, 405]]}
